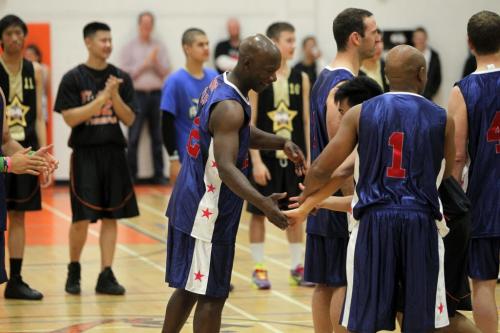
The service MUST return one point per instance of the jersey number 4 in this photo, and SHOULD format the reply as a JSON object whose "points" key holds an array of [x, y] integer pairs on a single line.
{"points": [[493, 134], [396, 141]]}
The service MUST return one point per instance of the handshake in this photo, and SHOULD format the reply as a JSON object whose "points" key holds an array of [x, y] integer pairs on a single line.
{"points": [[286, 212]]}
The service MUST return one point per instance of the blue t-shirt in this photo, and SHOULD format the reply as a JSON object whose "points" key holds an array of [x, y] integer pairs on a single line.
{"points": [[180, 95]]}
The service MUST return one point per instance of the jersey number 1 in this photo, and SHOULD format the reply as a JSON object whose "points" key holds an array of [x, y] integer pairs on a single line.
{"points": [[493, 134], [396, 141]]}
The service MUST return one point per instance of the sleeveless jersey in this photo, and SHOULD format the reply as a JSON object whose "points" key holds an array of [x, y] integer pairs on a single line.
{"points": [[481, 92], [400, 154], [325, 223], [280, 111], [3, 207], [20, 94], [201, 205]]}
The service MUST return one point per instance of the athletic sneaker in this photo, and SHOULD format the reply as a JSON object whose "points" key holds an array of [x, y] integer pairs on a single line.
{"points": [[297, 277], [107, 283], [16, 288], [260, 279], [73, 280]]}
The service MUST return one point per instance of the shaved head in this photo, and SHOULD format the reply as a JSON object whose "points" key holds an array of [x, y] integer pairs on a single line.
{"points": [[259, 59], [259, 45], [405, 68]]}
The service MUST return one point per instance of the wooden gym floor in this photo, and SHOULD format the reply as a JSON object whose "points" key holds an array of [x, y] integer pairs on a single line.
{"points": [[140, 266]]}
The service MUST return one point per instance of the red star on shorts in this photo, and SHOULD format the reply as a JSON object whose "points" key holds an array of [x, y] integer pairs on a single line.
{"points": [[214, 164], [198, 276], [210, 188], [206, 213], [440, 308]]}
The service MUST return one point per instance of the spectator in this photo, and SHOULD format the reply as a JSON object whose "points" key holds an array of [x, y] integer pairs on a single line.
{"points": [[470, 65], [146, 60], [32, 53], [432, 61], [226, 52], [309, 64]]}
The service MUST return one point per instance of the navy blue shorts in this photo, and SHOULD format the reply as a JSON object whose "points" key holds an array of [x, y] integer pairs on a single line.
{"points": [[484, 258], [199, 267], [394, 252], [325, 260], [3, 273]]}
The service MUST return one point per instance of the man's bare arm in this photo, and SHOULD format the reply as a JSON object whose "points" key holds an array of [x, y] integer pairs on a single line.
{"points": [[458, 112], [226, 120]]}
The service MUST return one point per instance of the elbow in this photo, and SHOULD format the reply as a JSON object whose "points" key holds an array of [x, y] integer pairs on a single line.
{"points": [[460, 158], [130, 121]]}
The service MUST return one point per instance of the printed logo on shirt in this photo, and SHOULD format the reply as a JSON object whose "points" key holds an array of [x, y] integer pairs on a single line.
{"points": [[105, 117], [194, 108], [16, 118]]}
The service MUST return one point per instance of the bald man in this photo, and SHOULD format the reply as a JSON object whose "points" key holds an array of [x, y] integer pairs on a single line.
{"points": [[205, 206], [402, 140]]}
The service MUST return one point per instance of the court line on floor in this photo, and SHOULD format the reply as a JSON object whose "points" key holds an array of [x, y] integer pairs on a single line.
{"points": [[235, 273], [126, 249], [242, 226]]}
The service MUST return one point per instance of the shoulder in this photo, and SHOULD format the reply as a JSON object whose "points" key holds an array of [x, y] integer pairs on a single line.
{"points": [[72, 75], [210, 73]]}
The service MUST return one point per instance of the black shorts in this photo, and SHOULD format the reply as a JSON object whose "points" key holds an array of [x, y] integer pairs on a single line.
{"points": [[101, 186], [456, 243], [283, 179], [22, 192]]}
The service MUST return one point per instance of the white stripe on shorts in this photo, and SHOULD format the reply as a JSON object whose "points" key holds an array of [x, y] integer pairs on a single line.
{"points": [[441, 308], [351, 246], [200, 268]]}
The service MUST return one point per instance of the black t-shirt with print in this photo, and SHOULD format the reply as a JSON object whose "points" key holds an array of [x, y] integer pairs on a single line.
{"points": [[80, 86]]}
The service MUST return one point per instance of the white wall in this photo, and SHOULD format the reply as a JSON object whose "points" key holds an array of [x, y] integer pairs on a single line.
{"points": [[445, 21]]}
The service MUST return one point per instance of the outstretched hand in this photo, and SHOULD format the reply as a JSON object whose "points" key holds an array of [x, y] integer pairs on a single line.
{"points": [[297, 215], [295, 154], [272, 212]]}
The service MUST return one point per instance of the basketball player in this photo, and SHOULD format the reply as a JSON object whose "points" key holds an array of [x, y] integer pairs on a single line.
{"points": [[205, 206], [93, 99], [403, 139], [282, 109], [475, 106], [179, 98], [16, 159], [355, 32], [456, 208], [21, 80]]}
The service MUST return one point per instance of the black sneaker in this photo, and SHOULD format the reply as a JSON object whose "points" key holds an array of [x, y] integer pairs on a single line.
{"points": [[73, 280], [18, 289], [107, 283]]}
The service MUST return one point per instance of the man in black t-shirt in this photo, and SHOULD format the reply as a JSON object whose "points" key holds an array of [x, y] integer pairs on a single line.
{"points": [[226, 52], [93, 98]]}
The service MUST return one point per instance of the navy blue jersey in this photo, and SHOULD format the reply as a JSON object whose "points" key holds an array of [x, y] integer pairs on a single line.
{"points": [[481, 91], [3, 207], [201, 205], [325, 223], [400, 154]]}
